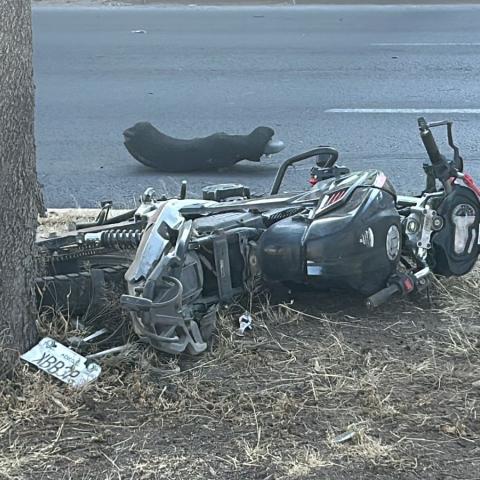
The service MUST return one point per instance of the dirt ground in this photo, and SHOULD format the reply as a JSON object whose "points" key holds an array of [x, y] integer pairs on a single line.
{"points": [[321, 388]]}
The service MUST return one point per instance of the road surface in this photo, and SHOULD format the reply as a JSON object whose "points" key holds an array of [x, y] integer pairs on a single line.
{"points": [[352, 77]]}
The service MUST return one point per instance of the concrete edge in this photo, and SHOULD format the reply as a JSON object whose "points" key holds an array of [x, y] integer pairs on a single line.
{"points": [[75, 212]]}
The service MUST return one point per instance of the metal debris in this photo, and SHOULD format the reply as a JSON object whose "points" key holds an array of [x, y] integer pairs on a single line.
{"points": [[344, 437], [83, 342], [104, 353]]}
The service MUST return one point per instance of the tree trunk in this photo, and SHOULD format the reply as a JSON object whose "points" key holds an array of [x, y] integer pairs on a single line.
{"points": [[19, 191]]}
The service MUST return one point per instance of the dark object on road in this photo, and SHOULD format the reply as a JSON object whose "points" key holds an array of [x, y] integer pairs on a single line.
{"points": [[182, 258], [167, 154]]}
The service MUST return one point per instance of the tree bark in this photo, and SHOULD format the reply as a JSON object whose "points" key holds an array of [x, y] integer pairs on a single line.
{"points": [[20, 197]]}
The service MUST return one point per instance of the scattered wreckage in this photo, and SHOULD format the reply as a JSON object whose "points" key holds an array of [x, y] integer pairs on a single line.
{"points": [[173, 261], [156, 150]]}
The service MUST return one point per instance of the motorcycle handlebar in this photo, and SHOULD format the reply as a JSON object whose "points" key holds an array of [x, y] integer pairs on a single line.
{"points": [[429, 142], [382, 296], [403, 284]]}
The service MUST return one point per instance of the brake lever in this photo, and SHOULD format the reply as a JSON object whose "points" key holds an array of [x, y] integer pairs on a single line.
{"points": [[441, 123], [457, 159]]}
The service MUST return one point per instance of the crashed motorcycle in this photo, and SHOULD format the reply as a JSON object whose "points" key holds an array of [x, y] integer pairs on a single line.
{"points": [[176, 260]]}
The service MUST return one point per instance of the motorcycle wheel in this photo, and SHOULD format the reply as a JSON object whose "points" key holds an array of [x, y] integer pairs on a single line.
{"points": [[86, 289]]}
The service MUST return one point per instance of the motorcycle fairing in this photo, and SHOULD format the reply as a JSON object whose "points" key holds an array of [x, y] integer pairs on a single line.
{"points": [[338, 191], [328, 250], [370, 178]]}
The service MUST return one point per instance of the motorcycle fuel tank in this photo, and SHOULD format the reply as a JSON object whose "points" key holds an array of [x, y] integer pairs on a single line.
{"points": [[356, 244]]}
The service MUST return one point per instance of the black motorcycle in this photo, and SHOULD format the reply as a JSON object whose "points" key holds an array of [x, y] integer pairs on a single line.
{"points": [[349, 230]]}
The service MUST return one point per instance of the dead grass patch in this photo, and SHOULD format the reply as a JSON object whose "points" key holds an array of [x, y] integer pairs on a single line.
{"points": [[321, 388]]}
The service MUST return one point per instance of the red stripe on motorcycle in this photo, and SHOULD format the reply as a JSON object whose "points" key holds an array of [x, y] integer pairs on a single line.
{"points": [[470, 183]]}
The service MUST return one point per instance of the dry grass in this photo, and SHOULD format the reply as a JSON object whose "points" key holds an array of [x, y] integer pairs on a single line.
{"points": [[319, 389], [61, 220], [56, 222]]}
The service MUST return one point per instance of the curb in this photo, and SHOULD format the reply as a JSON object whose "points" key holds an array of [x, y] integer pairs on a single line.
{"points": [[81, 211]]}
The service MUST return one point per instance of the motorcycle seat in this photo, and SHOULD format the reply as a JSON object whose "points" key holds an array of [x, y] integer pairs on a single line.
{"points": [[157, 150]]}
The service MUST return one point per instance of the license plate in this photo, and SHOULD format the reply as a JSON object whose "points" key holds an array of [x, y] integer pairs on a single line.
{"points": [[61, 362]]}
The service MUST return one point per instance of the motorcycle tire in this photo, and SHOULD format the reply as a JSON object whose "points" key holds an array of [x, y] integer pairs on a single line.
{"points": [[83, 292]]}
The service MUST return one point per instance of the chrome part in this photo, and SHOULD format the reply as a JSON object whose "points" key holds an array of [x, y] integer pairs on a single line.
{"points": [[147, 204], [148, 196], [463, 217], [427, 228], [273, 146], [155, 238], [419, 225], [412, 226], [407, 201], [109, 351], [472, 241], [393, 243], [422, 275], [114, 238], [367, 238]]}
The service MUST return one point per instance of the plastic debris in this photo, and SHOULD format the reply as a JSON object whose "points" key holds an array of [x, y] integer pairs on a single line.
{"points": [[344, 437], [246, 323], [139, 31]]}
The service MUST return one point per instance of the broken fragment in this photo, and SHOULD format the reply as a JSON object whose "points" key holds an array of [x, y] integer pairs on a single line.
{"points": [[245, 321], [344, 437]]}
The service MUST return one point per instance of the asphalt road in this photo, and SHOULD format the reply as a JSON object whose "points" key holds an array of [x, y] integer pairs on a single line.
{"points": [[198, 70]]}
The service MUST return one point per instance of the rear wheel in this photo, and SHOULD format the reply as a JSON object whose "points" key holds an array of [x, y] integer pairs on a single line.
{"points": [[84, 287]]}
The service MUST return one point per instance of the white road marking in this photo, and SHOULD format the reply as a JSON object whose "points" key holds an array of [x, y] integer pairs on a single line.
{"points": [[426, 44], [471, 111]]}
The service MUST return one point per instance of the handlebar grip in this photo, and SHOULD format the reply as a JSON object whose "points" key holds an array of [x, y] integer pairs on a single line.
{"points": [[382, 296], [431, 147], [429, 142]]}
